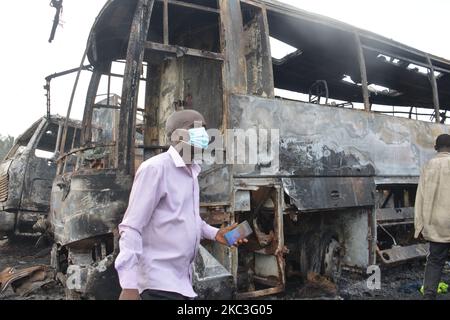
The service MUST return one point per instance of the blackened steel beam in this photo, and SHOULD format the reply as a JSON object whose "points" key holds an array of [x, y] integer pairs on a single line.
{"points": [[166, 22], [183, 51], [151, 136], [234, 70], [86, 133], [235, 79], [69, 109], [192, 6], [363, 70], [130, 91], [63, 73], [402, 58], [434, 86]]}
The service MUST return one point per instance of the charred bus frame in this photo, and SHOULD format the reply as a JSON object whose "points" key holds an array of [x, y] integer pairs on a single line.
{"points": [[344, 189]]}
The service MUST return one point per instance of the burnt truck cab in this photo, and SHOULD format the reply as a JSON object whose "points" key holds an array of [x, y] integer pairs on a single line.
{"points": [[335, 186], [27, 173]]}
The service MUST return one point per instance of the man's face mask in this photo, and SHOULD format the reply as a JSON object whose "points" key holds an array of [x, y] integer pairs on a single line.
{"points": [[198, 137]]}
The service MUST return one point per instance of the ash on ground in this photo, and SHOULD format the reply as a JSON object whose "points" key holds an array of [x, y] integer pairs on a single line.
{"points": [[397, 283]]}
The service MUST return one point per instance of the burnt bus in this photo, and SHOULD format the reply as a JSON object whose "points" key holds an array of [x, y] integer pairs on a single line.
{"points": [[27, 173], [336, 192]]}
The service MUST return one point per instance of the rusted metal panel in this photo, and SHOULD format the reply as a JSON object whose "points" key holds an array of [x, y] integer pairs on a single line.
{"points": [[394, 214], [211, 280], [323, 193], [399, 254], [88, 205], [355, 143], [26, 280], [242, 200]]}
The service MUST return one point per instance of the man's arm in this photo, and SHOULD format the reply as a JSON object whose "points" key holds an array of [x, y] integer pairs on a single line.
{"points": [[144, 197], [208, 232], [214, 234], [418, 207]]}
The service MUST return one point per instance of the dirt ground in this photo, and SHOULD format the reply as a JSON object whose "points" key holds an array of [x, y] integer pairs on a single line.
{"points": [[22, 254], [398, 283]]}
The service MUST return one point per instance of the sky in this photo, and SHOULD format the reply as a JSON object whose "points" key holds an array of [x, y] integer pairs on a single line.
{"points": [[27, 58]]}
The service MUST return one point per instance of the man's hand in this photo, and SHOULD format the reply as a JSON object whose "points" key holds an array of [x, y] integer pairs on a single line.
{"points": [[130, 294], [220, 236]]}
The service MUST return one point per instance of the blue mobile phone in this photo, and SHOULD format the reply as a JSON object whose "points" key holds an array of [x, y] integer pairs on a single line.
{"points": [[242, 231]]}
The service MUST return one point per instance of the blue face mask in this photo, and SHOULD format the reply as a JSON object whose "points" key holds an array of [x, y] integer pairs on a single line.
{"points": [[198, 137]]}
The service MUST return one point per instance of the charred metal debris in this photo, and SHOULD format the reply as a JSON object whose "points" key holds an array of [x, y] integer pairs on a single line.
{"points": [[343, 193]]}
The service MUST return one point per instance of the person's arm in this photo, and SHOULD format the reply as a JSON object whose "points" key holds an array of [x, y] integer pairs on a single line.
{"points": [[208, 232], [144, 197], [214, 234], [418, 207]]}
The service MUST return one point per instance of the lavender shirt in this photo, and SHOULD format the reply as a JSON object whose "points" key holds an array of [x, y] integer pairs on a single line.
{"points": [[161, 230]]}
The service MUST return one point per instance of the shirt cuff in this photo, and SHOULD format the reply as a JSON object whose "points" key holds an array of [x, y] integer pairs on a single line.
{"points": [[209, 232], [128, 279]]}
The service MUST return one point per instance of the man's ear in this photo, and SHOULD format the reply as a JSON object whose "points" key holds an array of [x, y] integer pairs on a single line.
{"points": [[180, 135], [436, 148]]}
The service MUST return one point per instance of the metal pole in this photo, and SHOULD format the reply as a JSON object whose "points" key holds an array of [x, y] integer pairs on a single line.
{"points": [[434, 86], [72, 97], [363, 70]]}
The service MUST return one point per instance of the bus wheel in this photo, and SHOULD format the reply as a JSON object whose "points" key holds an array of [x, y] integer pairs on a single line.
{"points": [[332, 259]]}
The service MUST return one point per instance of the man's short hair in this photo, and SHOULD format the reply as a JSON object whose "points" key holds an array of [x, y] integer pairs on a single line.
{"points": [[443, 141], [183, 119]]}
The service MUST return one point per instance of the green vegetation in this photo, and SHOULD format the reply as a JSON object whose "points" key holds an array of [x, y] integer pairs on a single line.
{"points": [[6, 142]]}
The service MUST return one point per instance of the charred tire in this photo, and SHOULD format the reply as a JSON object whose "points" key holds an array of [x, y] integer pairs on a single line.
{"points": [[332, 259]]}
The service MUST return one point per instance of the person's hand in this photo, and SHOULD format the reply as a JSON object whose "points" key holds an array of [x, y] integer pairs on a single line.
{"points": [[220, 236], [130, 294]]}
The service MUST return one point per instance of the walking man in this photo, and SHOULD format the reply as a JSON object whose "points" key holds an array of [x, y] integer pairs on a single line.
{"points": [[161, 231], [432, 213]]}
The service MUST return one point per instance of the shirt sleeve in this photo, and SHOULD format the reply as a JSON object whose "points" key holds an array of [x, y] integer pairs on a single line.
{"points": [[144, 197], [418, 207], [208, 232]]}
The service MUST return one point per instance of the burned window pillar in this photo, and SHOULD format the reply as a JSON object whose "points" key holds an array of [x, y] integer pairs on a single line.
{"points": [[258, 55], [62, 164], [432, 78], [152, 103], [86, 136], [235, 79], [166, 22], [363, 70], [135, 57]]}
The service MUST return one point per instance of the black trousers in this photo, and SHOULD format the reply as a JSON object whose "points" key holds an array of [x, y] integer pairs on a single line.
{"points": [[433, 270], [162, 295]]}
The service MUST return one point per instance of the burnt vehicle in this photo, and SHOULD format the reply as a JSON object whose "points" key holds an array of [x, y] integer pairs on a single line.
{"points": [[27, 173], [336, 192]]}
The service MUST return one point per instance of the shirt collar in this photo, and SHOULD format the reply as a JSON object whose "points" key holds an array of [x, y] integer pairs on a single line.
{"points": [[176, 158], [179, 162]]}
